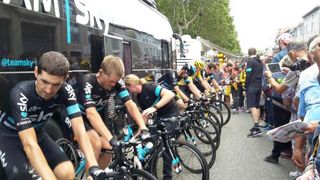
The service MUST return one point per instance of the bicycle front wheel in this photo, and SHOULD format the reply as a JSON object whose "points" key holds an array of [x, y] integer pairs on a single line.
{"points": [[191, 163], [139, 174]]}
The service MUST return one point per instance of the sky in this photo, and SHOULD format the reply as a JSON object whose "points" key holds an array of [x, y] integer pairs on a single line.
{"points": [[257, 21]]}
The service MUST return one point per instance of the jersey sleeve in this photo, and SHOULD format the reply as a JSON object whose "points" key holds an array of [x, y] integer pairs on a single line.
{"points": [[122, 91], [19, 110], [70, 101], [86, 93]]}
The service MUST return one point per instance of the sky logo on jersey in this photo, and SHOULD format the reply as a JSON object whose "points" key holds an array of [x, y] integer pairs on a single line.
{"points": [[72, 95], [87, 90], [23, 105]]}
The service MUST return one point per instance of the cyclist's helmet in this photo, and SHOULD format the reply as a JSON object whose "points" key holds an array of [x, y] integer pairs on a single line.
{"points": [[190, 69], [285, 38], [199, 64]]}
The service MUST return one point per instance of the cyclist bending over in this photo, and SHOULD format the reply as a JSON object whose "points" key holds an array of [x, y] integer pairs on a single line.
{"points": [[153, 98], [22, 136], [95, 90]]}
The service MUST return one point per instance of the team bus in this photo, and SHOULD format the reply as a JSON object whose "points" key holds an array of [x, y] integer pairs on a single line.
{"points": [[84, 31]]}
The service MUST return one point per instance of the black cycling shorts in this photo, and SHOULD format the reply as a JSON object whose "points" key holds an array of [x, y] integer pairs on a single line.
{"points": [[253, 97], [107, 122], [14, 159]]}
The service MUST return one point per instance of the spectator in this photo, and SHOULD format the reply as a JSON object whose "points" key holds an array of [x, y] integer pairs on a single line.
{"points": [[284, 40], [296, 52], [253, 88]]}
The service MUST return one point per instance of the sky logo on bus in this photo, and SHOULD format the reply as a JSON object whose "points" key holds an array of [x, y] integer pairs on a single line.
{"points": [[5, 62], [86, 11]]}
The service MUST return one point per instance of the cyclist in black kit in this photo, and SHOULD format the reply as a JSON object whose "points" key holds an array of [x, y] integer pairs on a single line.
{"points": [[95, 90], [180, 82], [153, 98], [24, 143]]}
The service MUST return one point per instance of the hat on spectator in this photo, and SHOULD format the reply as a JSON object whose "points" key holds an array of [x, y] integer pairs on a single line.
{"points": [[314, 43], [286, 38]]}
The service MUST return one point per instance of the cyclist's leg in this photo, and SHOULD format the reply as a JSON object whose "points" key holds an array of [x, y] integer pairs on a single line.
{"points": [[104, 158], [12, 156], [94, 137], [57, 159]]}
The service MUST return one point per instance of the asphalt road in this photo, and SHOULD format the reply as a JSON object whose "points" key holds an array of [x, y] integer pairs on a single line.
{"points": [[241, 158]]}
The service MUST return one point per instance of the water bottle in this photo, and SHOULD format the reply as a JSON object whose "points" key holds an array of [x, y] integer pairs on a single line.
{"points": [[143, 151], [140, 152], [128, 133], [148, 147]]}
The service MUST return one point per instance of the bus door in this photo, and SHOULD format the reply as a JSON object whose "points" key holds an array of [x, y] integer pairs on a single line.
{"points": [[127, 57], [97, 54]]}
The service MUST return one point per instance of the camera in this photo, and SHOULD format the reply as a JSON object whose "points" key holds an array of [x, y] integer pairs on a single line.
{"points": [[300, 65]]}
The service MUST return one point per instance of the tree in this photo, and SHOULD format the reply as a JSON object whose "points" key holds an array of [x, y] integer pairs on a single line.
{"points": [[209, 19]]}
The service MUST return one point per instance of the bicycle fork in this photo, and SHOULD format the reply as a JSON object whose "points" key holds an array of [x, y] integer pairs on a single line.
{"points": [[174, 156]]}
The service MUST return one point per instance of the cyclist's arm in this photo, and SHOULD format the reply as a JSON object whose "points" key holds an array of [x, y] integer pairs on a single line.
{"points": [[97, 123], [135, 113], [181, 94], [166, 97], [206, 85], [216, 85], [195, 91], [83, 140], [34, 153]]}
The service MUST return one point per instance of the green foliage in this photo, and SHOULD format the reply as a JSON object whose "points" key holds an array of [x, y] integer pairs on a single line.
{"points": [[209, 19]]}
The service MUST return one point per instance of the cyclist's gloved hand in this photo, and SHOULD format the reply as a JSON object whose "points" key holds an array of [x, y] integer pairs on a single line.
{"points": [[96, 173], [115, 144], [144, 134]]}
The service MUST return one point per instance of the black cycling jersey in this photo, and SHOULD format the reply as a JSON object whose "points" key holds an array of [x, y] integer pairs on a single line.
{"points": [[150, 95], [171, 79], [207, 76], [27, 109], [91, 94]]}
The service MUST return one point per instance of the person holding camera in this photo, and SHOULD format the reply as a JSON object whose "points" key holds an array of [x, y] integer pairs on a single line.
{"points": [[297, 54]]}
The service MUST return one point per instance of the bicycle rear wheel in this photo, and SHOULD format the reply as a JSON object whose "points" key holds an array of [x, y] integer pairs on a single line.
{"points": [[224, 109], [193, 163], [202, 140]]}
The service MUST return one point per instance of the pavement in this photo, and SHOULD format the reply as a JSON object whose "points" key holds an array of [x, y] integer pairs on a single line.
{"points": [[241, 158]]}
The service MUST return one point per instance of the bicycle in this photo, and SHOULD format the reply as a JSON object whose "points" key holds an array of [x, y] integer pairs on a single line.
{"points": [[122, 167]]}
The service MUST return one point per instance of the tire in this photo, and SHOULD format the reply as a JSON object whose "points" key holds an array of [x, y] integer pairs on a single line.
{"points": [[140, 175], [211, 127], [70, 151], [224, 109], [203, 142], [200, 172], [211, 115], [217, 113]]}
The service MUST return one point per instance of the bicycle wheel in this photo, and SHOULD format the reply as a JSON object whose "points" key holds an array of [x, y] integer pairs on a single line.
{"points": [[209, 126], [70, 151], [211, 115], [224, 109], [202, 140], [217, 113], [192, 163], [139, 174]]}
